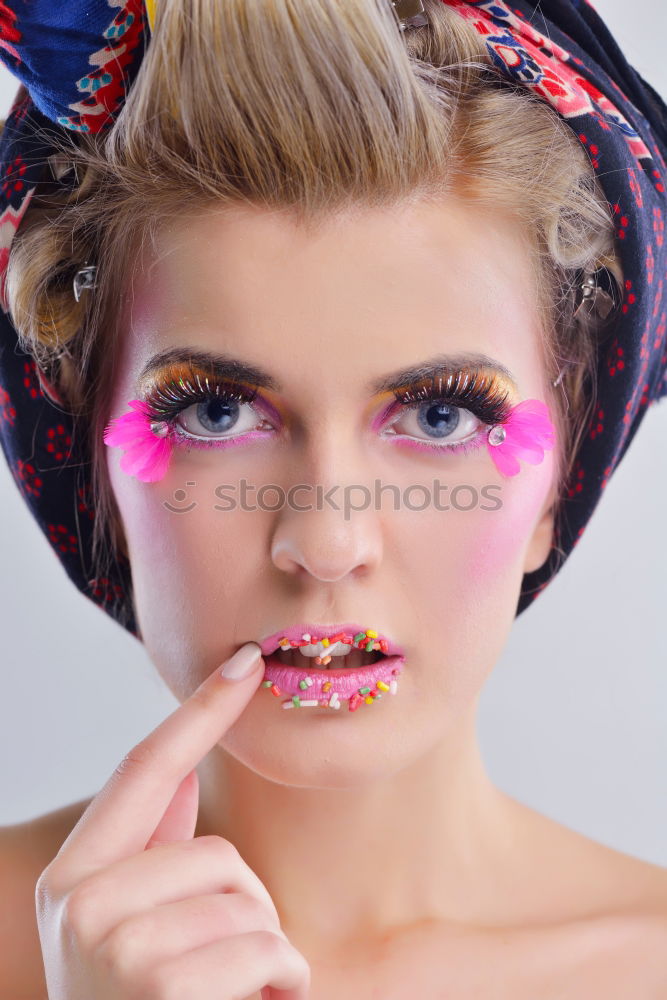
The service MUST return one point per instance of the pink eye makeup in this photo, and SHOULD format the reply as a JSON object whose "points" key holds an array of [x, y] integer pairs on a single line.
{"points": [[442, 405], [150, 431], [445, 408], [218, 406], [186, 406]]}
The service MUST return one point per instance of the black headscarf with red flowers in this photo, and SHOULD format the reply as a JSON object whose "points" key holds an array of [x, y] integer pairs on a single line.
{"points": [[76, 61]]}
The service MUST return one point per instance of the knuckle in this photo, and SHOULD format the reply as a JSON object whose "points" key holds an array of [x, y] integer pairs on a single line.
{"points": [[117, 953], [304, 966], [280, 951], [139, 758], [44, 898], [243, 913], [259, 914], [80, 907], [223, 850], [51, 879], [161, 983], [44, 886], [273, 947]]}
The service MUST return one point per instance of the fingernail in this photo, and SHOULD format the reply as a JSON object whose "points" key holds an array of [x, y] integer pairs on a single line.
{"points": [[242, 663]]}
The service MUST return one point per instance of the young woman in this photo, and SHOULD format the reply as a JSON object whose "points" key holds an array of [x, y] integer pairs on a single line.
{"points": [[331, 300]]}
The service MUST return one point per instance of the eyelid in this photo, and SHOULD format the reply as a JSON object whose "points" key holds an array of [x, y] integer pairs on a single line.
{"points": [[490, 400], [170, 392], [487, 399]]}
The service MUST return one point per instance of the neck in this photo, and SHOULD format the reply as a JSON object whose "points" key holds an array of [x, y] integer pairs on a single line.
{"points": [[425, 843]]}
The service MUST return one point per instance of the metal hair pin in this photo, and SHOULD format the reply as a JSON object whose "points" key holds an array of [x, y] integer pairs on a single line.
{"points": [[558, 380], [595, 301], [593, 297], [409, 14], [84, 278]]}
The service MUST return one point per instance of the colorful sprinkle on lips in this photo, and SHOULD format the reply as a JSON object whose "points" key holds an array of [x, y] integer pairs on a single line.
{"points": [[325, 687]]}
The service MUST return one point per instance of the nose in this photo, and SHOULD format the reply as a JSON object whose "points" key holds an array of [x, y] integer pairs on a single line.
{"points": [[313, 537], [322, 544]]}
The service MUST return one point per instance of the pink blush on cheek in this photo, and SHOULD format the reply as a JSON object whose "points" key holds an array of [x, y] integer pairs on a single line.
{"points": [[499, 537]]}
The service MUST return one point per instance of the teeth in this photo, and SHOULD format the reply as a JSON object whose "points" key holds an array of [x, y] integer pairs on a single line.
{"points": [[351, 656], [317, 649]]}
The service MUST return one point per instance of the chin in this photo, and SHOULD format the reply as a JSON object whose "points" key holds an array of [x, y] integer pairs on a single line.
{"points": [[333, 749]]}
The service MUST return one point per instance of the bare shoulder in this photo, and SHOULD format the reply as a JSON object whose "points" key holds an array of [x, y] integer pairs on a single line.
{"points": [[25, 851], [612, 907], [633, 952], [578, 876], [623, 955], [604, 931]]}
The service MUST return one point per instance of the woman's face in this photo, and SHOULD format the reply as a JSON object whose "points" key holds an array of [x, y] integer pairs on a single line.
{"points": [[326, 315]]}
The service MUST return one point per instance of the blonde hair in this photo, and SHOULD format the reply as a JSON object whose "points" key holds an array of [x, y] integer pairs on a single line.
{"points": [[313, 108]]}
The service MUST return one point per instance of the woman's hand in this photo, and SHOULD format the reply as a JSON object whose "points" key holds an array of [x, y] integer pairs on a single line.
{"points": [[134, 907]]}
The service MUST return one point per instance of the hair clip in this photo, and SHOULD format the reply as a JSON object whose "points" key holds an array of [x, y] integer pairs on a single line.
{"points": [[146, 442], [594, 299], [410, 14], [561, 373], [84, 278], [527, 434], [63, 170]]}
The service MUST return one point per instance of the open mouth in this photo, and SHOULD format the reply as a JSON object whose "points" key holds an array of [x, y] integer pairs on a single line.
{"points": [[359, 666], [337, 656]]}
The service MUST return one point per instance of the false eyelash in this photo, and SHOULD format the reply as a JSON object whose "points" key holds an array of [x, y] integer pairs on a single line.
{"points": [[167, 397], [483, 394], [172, 392]]}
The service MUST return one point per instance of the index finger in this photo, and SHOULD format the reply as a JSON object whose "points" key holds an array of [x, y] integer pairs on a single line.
{"points": [[121, 818]]}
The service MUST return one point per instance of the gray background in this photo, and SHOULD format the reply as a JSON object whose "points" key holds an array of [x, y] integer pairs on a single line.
{"points": [[572, 720]]}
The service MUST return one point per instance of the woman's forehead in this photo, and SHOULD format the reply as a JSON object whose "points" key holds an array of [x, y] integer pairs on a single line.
{"points": [[392, 284]]}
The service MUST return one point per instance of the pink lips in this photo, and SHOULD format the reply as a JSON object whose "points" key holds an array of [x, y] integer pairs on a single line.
{"points": [[346, 682], [271, 642]]}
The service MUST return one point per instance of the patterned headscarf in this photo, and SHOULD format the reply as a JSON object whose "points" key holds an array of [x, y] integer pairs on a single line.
{"points": [[77, 59]]}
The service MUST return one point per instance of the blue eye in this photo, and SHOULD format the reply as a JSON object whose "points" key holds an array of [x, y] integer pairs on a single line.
{"points": [[438, 420], [203, 413], [218, 416]]}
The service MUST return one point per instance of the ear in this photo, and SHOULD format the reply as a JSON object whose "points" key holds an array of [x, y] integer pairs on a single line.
{"points": [[539, 546]]}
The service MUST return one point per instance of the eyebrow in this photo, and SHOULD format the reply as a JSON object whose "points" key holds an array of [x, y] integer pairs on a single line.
{"points": [[230, 368]]}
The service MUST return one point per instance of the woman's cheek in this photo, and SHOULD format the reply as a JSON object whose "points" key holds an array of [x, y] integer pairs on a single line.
{"points": [[501, 533], [191, 571], [472, 551], [161, 522]]}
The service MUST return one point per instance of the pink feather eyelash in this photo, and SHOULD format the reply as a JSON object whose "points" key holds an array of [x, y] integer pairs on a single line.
{"points": [[528, 434], [146, 454]]}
